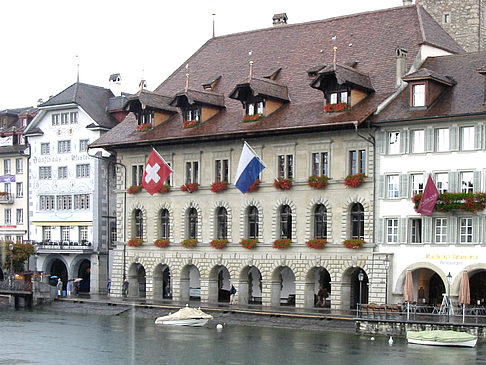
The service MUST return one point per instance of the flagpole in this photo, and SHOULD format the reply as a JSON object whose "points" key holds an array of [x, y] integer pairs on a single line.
{"points": [[259, 159]]}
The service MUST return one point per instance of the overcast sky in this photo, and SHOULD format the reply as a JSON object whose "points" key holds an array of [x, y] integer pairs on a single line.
{"points": [[145, 38]]}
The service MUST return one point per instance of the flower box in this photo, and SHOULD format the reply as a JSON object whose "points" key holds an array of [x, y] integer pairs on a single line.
{"points": [[134, 189], [189, 243], [353, 181], [335, 108], [190, 187], [135, 242], [189, 123], [316, 243], [354, 243], [164, 189], [467, 202], [252, 118], [161, 243], [282, 184], [143, 127], [318, 182], [282, 243], [219, 244], [3, 193], [218, 186], [249, 243], [255, 186]]}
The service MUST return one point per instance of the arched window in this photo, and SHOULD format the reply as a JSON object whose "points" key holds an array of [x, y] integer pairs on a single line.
{"points": [[320, 221], [252, 222], [192, 231], [357, 221], [164, 224], [285, 222], [138, 223], [222, 221]]}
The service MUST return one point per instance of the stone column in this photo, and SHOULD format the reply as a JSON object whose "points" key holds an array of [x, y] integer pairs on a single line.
{"points": [[181, 291], [205, 290], [212, 288], [299, 295], [241, 296], [337, 300], [309, 294], [275, 291]]}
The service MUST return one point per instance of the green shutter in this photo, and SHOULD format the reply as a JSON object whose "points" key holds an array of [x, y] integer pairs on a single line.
{"points": [[382, 143], [427, 230], [404, 141], [454, 138], [478, 134], [453, 182], [404, 178], [477, 181], [402, 230], [380, 187], [429, 140], [379, 235]]}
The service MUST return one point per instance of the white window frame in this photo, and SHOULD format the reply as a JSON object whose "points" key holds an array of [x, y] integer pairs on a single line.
{"points": [[8, 216], [466, 230], [320, 164], [19, 166], [442, 139], [221, 170], [286, 166], [393, 186], [442, 184], [440, 230], [416, 230], [45, 172], [417, 183], [192, 172], [45, 148], [418, 95], [83, 170], [20, 216], [394, 143], [418, 140], [65, 233], [19, 187], [83, 145], [467, 181], [64, 146], [47, 202], [137, 174], [62, 172], [392, 230], [467, 138], [7, 166]]}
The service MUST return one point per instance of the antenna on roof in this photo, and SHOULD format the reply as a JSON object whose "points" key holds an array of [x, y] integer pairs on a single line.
{"points": [[77, 66], [214, 33], [187, 82], [335, 56], [251, 70]]}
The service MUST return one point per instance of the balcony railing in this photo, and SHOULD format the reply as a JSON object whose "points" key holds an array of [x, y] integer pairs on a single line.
{"points": [[63, 245], [6, 198]]}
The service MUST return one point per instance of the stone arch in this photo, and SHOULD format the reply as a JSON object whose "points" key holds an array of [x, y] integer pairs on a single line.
{"points": [[184, 224], [310, 213], [213, 219], [131, 219], [317, 277], [283, 285], [400, 282], [137, 276], [353, 291], [162, 282], [368, 218], [276, 217], [156, 220], [190, 278], [244, 222]]}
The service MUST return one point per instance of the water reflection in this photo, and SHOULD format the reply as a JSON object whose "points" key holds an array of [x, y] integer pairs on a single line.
{"points": [[58, 338]]}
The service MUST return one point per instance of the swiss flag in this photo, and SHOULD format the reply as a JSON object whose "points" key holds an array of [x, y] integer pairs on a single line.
{"points": [[156, 172]]}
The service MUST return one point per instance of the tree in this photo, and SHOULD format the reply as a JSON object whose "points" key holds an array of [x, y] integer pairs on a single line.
{"points": [[21, 252]]}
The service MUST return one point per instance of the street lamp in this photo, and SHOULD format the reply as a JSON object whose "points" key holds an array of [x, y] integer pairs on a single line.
{"points": [[449, 281], [360, 278], [386, 261], [10, 246]]}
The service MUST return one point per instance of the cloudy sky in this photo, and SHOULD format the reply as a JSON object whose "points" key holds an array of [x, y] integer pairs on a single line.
{"points": [[43, 41]]}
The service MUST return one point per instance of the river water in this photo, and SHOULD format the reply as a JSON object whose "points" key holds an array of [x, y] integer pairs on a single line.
{"points": [[47, 337]]}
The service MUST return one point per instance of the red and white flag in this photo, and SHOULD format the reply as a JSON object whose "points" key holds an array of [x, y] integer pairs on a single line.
{"points": [[429, 198], [156, 172]]}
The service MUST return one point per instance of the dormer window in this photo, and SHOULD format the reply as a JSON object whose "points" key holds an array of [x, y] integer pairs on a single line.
{"points": [[418, 95], [192, 114], [255, 108], [426, 86], [146, 117], [338, 97]]}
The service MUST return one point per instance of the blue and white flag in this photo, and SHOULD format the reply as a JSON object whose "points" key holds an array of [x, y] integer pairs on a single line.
{"points": [[248, 170]]}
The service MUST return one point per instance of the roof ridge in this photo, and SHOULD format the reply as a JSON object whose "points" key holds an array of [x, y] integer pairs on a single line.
{"points": [[421, 22]]}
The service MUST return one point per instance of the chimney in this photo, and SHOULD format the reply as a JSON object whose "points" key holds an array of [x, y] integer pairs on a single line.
{"points": [[401, 65], [115, 84], [407, 2], [279, 19]]}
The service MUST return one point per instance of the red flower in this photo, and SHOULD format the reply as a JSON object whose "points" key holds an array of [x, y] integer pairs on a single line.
{"points": [[219, 244], [164, 189], [254, 186], [317, 243], [318, 182], [218, 186], [161, 243], [189, 243], [353, 181], [249, 243], [189, 123], [190, 187], [334, 108], [282, 243], [252, 118], [134, 189], [282, 184], [135, 242], [354, 243], [143, 127]]}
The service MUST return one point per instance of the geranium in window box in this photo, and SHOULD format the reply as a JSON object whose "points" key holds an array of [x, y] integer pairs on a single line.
{"points": [[354, 243], [135, 242], [143, 127], [254, 186], [317, 243], [353, 181], [3, 193], [249, 243], [190, 187], [282, 243], [189, 123], [335, 108], [218, 186], [282, 184], [468, 202], [252, 118], [161, 243], [189, 243], [134, 189], [318, 182], [219, 243], [164, 189]]}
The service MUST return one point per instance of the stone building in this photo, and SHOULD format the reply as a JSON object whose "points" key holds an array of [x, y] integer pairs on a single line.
{"points": [[300, 95]]}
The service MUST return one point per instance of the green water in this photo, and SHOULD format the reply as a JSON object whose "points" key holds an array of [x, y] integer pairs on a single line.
{"points": [[44, 337]]}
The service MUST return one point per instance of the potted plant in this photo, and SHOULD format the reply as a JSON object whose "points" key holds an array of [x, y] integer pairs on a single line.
{"points": [[467, 202], [189, 243], [316, 243], [249, 243], [189, 123], [282, 184], [252, 118], [282, 243], [354, 243], [335, 108], [135, 242], [161, 243], [189, 187], [143, 127], [134, 189], [219, 243], [318, 182], [353, 181], [218, 186], [164, 189], [254, 186]]}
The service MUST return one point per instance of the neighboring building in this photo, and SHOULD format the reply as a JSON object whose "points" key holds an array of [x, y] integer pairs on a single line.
{"points": [[71, 210], [436, 127], [14, 157], [269, 87]]}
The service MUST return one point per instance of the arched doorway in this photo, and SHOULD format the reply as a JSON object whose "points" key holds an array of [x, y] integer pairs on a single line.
{"points": [[162, 288], [477, 282], [136, 281], [354, 288], [84, 272], [428, 287], [317, 288], [250, 286], [436, 290], [219, 285], [58, 268], [190, 283], [283, 286]]}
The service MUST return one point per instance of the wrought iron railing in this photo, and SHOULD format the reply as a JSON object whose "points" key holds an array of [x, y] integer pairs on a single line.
{"points": [[63, 245], [14, 285]]}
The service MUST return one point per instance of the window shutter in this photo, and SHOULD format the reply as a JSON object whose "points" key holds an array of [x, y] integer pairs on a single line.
{"points": [[429, 140], [404, 141], [427, 230], [477, 181], [475, 222], [382, 143], [452, 234], [380, 224], [453, 182], [454, 138], [478, 134], [404, 185], [403, 230], [380, 187]]}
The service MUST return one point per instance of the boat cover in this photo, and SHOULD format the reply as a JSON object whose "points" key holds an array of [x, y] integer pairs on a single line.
{"points": [[440, 336], [186, 313]]}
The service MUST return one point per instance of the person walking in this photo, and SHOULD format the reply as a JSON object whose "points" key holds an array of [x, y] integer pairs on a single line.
{"points": [[59, 287], [69, 287], [108, 285], [125, 288], [232, 294]]}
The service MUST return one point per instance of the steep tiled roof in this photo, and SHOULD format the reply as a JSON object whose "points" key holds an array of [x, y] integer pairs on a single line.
{"points": [[348, 75], [263, 87], [424, 74], [465, 97], [203, 97], [152, 100], [366, 40]]}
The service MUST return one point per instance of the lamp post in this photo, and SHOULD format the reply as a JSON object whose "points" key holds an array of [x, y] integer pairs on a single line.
{"points": [[386, 261], [360, 278], [449, 280], [11, 246]]}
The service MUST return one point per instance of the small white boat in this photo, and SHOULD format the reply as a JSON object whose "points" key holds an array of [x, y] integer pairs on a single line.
{"points": [[442, 338], [186, 316]]}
